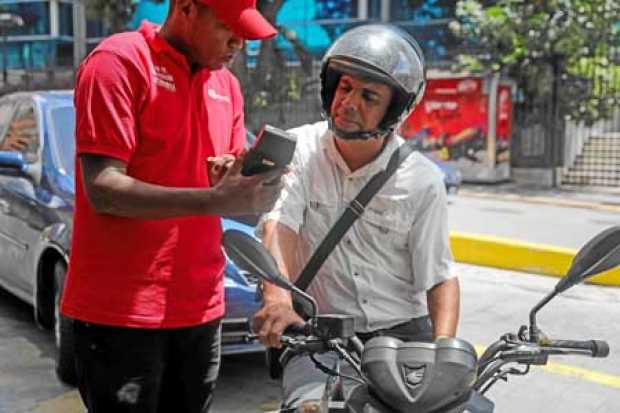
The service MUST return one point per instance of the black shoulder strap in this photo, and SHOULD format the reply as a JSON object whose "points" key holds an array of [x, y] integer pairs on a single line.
{"points": [[353, 211]]}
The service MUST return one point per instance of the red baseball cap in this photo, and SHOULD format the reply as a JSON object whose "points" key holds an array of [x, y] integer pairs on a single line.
{"points": [[242, 18]]}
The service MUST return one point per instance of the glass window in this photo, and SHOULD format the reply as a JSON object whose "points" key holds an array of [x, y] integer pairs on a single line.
{"points": [[401, 10], [316, 23], [336, 10], [36, 16], [22, 134], [65, 15], [374, 9], [6, 109], [63, 131], [428, 23]]}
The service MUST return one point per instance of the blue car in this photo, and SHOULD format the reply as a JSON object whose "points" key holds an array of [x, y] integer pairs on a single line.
{"points": [[36, 209]]}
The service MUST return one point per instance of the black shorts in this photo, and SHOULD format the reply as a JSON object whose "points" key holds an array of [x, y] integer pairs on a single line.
{"points": [[147, 370]]}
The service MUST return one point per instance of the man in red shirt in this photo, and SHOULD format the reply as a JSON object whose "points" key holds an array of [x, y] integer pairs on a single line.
{"points": [[145, 278]]}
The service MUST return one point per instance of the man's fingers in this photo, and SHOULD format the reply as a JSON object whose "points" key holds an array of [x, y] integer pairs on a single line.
{"points": [[236, 165], [272, 177]]}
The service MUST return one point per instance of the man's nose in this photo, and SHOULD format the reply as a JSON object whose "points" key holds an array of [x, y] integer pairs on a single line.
{"points": [[350, 100]]}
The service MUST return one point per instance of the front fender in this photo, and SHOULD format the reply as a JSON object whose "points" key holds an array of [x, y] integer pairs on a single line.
{"points": [[54, 246], [58, 236]]}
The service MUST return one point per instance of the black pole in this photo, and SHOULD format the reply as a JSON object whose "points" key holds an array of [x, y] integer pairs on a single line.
{"points": [[555, 136], [5, 73]]}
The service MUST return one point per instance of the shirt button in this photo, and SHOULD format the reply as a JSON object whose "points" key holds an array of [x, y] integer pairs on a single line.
{"points": [[348, 241], [365, 301], [357, 274]]}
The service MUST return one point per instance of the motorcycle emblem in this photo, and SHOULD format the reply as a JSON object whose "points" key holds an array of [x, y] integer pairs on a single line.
{"points": [[414, 375]]}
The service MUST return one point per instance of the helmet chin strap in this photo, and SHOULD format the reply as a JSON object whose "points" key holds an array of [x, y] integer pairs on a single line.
{"points": [[359, 135]]}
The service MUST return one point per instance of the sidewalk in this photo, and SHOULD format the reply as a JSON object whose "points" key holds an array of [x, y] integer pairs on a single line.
{"points": [[528, 254], [600, 198]]}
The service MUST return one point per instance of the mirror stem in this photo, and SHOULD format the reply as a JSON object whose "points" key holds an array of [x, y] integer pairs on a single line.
{"points": [[308, 297], [534, 331]]}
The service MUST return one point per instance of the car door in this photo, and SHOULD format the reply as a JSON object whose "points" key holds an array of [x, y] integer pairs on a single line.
{"points": [[6, 239], [21, 219]]}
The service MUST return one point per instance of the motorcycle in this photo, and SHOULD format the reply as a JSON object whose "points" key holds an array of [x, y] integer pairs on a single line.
{"points": [[445, 376]]}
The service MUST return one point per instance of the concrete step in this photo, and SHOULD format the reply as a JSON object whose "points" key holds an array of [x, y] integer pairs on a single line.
{"points": [[602, 141], [600, 153], [590, 174], [589, 180], [607, 135], [599, 167], [596, 147], [598, 157]]}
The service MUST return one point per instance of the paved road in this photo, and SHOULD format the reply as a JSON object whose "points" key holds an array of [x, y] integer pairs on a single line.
{"points": [[494, 302], [539, 223]]}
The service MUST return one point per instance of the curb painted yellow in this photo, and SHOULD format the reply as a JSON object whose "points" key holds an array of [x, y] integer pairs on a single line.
{"points": [[490, 251]]}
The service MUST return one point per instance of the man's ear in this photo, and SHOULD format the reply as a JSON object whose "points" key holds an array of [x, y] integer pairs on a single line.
{"points": [[186, 7]]}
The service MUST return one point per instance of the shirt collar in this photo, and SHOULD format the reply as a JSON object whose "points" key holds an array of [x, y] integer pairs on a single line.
{"points": [[380, 163], [150, 31]]}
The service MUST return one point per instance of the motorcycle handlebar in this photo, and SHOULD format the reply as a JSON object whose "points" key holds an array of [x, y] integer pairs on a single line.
{"points": [[597, 348], [297, 330]]}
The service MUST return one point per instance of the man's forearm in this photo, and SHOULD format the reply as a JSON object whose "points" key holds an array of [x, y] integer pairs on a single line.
{"points": [[282, 244], [110, 190], [443, 305], [122, 195]]}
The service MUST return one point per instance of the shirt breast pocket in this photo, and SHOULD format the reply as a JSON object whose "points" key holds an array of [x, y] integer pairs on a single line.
{"points": [[387, 227], [320, 217]]}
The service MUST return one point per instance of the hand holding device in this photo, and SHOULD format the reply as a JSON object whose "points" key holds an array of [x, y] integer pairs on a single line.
{"points": [[273, 149]]}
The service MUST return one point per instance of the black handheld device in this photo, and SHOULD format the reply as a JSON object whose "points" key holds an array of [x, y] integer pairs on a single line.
{"points": [[272, 149]]}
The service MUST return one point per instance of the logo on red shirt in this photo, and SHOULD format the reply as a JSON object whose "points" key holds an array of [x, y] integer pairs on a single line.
{"points": [[164, 79], [216, 96]]}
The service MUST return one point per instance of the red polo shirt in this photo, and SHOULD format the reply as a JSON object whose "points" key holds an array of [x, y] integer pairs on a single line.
{"points": [[137, 100]]}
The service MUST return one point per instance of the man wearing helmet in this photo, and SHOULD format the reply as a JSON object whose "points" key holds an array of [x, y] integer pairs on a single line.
{"points": [[392, 269]]}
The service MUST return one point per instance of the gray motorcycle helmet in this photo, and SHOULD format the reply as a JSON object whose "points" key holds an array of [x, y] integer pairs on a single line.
{"points": [[381, 53]]}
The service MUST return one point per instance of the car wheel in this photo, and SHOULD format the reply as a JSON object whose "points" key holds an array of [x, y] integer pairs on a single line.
{"points": [[63, 331]]}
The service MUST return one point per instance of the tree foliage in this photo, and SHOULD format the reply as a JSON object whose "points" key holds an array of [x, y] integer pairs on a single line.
{"points": [[540, 42]]}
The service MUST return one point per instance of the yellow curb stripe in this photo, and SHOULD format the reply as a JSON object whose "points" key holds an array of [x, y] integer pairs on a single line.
{"points": [[584, 374], [490, 251], [608, 380]]}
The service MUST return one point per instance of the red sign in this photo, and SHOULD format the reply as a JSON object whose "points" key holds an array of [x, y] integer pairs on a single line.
{"points": [[452, 120]]}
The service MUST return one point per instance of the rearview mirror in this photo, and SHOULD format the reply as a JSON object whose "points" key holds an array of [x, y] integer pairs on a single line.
{"points": [[598, 255], [251, 256]]}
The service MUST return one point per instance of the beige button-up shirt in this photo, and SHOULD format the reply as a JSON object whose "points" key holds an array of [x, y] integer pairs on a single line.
{"points": [[398, 249]]}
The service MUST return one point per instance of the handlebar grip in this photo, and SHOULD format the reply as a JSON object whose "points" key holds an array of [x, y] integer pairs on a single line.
{"points": [[296, 330], [598, 348]]}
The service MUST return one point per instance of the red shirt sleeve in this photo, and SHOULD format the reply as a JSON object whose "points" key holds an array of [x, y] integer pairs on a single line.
{"points": [[238, 139], [106, 99]]}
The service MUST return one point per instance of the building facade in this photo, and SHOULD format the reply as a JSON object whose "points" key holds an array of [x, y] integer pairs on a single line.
{"points": [[45, 41], [47, 38]]}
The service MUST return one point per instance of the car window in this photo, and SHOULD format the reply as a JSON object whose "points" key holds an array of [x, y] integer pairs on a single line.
{"points": [[63, 131], [22, 134], [6, 109]]}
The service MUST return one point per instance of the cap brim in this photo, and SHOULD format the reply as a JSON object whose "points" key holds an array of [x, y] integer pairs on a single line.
{"points": [[252, 25]]}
